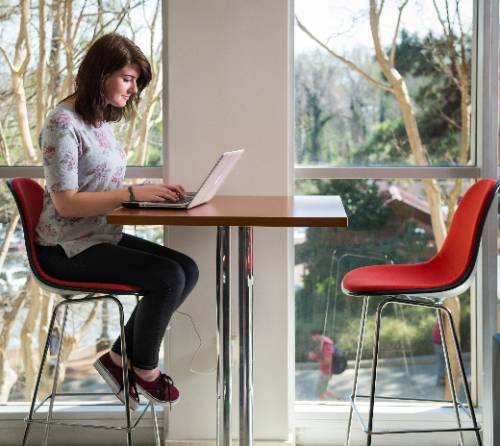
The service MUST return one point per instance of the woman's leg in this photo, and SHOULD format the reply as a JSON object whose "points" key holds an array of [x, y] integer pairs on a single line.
{"points": [[162, 279], [134, 323], [187, 263]]}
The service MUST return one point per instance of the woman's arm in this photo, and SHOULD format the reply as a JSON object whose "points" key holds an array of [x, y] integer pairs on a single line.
{"points": [[74, 204]]}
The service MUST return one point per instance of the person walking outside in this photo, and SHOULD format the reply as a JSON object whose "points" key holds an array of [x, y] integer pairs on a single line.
{"points": [[324, 357]]}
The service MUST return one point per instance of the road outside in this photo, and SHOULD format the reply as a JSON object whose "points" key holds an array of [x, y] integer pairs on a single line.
{"points": [[415, 378]]}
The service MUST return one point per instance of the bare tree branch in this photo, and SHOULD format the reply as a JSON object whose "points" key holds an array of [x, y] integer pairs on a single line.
{"points": [[7, 58], [379, 12], [396, 32], [348, 62]]}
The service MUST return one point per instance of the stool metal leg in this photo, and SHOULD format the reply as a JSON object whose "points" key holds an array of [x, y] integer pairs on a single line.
{"points": [[449, 372], [376, 343], [126, 383], [464, 377], [359, 350], [156, 430], [56, 375], [29, 418]]}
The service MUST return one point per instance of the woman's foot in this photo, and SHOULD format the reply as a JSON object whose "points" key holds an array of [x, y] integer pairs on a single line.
{"points": [[112, 373], [158, 389]]}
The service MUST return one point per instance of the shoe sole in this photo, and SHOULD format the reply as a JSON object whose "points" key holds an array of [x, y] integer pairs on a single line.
{"points": [[115, 387], [152, 399]]}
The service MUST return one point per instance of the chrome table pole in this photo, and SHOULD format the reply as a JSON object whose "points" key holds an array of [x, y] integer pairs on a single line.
{"points": [[223, 435], [245, 242]]}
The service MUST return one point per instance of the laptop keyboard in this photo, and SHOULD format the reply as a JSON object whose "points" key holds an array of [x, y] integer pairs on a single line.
{"points": [[188, 197]]}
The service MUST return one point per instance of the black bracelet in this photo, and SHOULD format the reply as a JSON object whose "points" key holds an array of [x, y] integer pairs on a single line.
{"points": [[131, 195]]}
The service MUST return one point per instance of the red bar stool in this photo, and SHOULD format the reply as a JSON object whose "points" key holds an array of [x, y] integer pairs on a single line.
{"points": [[425, 284], [28, 195]]}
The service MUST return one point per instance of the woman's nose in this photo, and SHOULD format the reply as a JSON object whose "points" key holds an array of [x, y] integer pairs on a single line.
{"points": [[133, 88]]}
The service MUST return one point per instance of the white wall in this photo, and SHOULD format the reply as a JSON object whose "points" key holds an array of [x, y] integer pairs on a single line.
{"points": [[228, 85]]}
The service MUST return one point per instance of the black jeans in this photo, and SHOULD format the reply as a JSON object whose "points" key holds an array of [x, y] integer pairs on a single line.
{"points": [[167, 276]]}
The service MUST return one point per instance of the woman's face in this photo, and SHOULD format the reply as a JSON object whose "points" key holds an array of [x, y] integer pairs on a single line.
{"points": [[120, 85]]}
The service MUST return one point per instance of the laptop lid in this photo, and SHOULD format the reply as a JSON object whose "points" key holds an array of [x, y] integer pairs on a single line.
{"points": [[216, 177]]}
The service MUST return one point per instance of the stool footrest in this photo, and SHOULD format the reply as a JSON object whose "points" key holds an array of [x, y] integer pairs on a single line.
{"points": [[99, 426], [409, 431]]}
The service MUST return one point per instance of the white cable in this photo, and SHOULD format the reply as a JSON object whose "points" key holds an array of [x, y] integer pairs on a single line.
{"points": [[200, 345]]}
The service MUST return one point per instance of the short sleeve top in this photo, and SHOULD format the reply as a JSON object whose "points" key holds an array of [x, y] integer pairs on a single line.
{"points": [[325, 362], [78, 156]]}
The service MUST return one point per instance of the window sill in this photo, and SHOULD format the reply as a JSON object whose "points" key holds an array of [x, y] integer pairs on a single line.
{"points": [[12, 424], [326, 423]]}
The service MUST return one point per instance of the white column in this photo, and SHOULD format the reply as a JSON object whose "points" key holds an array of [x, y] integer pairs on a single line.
{"points": [[227, 86]]}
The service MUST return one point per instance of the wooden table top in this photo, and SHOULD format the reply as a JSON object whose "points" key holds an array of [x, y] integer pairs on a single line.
{"points": [[312, 211]]}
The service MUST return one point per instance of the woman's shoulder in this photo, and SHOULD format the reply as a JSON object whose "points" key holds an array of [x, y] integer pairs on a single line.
{"points": [[62, 117]]}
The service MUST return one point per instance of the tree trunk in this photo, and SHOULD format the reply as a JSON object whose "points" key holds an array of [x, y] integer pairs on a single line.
{"points": [[18, 69], [432, 191], [8, 376], [68, 48], [40, 71], [145, 124], [4, 148], [9, 232], [27, 351], [55, 49]]}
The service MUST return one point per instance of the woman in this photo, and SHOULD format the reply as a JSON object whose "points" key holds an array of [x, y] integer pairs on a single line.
{"points": [[84, 167]]}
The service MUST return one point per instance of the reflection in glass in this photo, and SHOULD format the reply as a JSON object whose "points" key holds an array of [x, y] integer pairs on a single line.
{"points": [[389, 222]]}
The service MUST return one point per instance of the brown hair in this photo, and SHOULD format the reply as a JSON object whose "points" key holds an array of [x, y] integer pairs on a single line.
{"points": [[107, 54]]}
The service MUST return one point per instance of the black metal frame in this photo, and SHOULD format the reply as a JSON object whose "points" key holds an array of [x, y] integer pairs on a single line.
{"points": [[368, 429], [66, 302]]}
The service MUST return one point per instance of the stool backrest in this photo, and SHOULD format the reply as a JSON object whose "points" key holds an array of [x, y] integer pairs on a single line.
{"points": [[28, 195], [458, 254]]}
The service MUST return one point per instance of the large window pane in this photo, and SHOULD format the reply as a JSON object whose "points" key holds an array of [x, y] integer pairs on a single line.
{"points": [[408, 103], [42, 49], [389, 222]]}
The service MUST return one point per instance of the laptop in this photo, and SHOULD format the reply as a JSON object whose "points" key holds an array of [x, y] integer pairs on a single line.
{"points": [[205, 192]]}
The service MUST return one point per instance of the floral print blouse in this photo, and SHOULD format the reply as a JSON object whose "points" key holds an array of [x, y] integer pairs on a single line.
{"points": [[77, 156]]}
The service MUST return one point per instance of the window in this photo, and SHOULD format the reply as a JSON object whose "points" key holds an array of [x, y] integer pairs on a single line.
{"points": [[373, 121], [42, 47]]}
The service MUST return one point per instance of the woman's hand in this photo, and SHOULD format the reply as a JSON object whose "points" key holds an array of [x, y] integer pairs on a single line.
{"points": [[158, 192]]}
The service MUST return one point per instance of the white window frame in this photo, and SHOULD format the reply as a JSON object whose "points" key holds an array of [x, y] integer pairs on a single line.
{"points": [[316, 423], [325, 423]]}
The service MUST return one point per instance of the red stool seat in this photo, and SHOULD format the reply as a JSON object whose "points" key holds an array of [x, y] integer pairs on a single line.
{"points": [[86, 287], [426, 277]]}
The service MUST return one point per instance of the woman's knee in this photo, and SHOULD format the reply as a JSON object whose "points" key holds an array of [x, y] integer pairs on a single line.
{"points": [[191, 271], [169, 277]]}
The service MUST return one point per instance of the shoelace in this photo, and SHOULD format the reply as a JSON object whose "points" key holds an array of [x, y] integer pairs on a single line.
{"points": [[132, 386]]}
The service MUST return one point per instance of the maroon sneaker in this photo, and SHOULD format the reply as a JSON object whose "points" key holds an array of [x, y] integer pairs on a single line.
{"points": [[113, 375], [159, 391]]}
